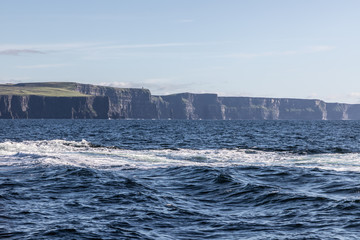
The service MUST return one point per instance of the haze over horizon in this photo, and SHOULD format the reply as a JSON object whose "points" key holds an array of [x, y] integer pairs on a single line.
{"points": [[282, 49]]}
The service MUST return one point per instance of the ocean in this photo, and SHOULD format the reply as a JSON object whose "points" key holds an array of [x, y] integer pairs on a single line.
{"points": [[173, 179]]}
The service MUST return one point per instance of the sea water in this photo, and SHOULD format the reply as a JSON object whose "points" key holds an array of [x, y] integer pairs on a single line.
{"points": [[143, 179]]}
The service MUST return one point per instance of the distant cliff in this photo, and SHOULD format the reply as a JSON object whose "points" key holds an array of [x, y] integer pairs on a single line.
{"points": [[53, 107], [123, 102], [188, 106], [210, 106], [75, 100], [273, 108]]}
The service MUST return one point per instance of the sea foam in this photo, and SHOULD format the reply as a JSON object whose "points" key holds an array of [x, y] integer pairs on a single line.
{"points": [[84, 154]]}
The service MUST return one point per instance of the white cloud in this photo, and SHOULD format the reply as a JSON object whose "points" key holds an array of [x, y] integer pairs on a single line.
{"points": [[39, 66], [120, 84], [354, 95], [308, 50], [44, 48], [68, 46], [90, 48], [352, 98], [17, 49], [263, 54], [55, 46], [186, 20], [323, 48], [313, 96], [14, 79], [158, 86], [16, 52], [154, 45]]}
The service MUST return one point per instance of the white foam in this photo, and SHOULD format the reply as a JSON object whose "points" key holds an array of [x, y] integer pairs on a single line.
{"points": [[82, 154]]}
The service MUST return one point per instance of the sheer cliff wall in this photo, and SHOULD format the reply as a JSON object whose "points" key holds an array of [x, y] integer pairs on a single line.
{"points": [[273, 108], [53, 107], [188, 106], [125, 103], [210, 106]]}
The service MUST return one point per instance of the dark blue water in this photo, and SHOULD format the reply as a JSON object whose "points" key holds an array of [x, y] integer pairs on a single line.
{"points": [[107, 179]]}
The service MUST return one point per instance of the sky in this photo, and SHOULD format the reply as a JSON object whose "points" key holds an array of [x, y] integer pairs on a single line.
{"points": [[257, 48]]}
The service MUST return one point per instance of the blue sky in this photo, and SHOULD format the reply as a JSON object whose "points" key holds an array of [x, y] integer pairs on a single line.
{"points": [[259, 48]]}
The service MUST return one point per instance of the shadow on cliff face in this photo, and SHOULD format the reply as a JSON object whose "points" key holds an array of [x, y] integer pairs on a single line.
{"points": [[37, 107]]}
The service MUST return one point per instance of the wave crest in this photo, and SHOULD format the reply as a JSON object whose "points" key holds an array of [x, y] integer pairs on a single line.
{"points": [[85, 154]]}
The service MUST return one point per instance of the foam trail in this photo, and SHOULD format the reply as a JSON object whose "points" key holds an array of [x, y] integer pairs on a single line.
{"points": [[83, 154]]}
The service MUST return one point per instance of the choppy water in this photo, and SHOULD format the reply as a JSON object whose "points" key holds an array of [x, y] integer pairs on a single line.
{"points": [[101, 179]]}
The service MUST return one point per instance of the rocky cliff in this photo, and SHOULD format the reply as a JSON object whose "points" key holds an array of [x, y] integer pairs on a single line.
{"points": [[123, 102], [12, 106], [210, 106], [89, 101], [273, 108], [188, 106]]}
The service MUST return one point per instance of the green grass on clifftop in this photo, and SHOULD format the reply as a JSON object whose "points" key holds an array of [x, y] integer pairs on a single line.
{"points": [[49, 89]]}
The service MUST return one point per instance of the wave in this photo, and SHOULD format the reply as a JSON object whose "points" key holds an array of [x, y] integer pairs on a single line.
{"points": [[85, 154]]}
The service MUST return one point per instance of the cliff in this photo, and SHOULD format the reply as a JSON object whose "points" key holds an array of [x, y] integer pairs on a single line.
{"points": [[210, 106], [74, 100], [273, 108], [12, 106], [188, 106], [123, 102]]}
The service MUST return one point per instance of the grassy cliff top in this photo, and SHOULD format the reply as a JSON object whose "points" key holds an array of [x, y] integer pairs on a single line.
{"points": [[56, 89], [49, 89]]}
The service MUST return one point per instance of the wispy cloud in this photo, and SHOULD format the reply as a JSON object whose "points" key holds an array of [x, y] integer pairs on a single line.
{"points": [[99, 45], [185, 20], [355, 96], [39, 66], [165, 85], [16, 49], [120, 84], [313, 95], [14, 79], [263, 54], [323, 48], [156, 85], [307, 50], [16, 52], [154, 45], [106, 50]]}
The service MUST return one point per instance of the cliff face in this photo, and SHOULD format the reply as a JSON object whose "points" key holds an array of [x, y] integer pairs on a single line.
{"points": [[210, 106], [89, 101], [53, 107], [250, 108], [338, 111], [123, 102], [272, 108], [354, 112], [188, 106]]}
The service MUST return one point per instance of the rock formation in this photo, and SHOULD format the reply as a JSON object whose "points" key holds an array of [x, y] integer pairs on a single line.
{"points": [[123, 102], [118, 103], [12, 106]]}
